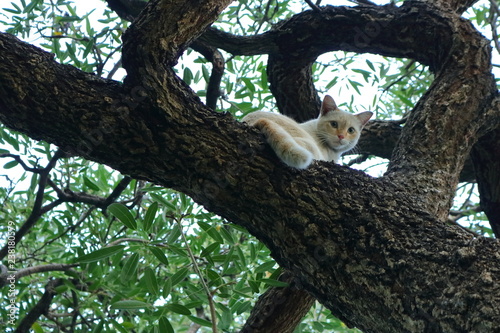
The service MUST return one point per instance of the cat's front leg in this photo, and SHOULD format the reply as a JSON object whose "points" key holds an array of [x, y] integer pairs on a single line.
{"points": [[285, 146]]}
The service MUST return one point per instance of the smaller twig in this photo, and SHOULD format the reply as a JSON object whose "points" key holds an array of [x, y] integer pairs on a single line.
{"points": [[364, 2], [43, 268], [359, 159], [408, 72], [202, 280], [37, 210], [455, 222], [18, 159], [70, 228], [115, 68], [213, 55], [492, 19], [127, 239], [313, 6]]}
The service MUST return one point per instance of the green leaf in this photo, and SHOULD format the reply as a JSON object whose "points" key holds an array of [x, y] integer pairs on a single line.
{"points": [[88, 48], [71, 10], [366, 74], [163, 201], [37, 328], [100, 254], [13, 11], [165, 326], [123, 214], [209, 249], [406, 100], [179, 276], [355, 85], [206, 73], [178, 308], [129, 268], [174, 234], [71, 51], [150, 281], [213, 276], [159, 254], [200, 321], [90, 184], [370, 64], [226, 234], [31, 6], [130, 305], [118, 326], [150, 216], [211, 231], [167, 288], [331, 83], [68, 19], [226, 319], [273, 283], [265, 267], [10, 165], [249, 85], [254, 285], [241, 306], [188, 76]]}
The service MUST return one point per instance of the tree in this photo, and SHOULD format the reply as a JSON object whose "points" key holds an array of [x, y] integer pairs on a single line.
{"points": [[378, 253]]}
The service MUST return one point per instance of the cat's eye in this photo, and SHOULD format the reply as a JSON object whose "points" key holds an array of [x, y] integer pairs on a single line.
{"points": [[334, 124], [351, 130]]}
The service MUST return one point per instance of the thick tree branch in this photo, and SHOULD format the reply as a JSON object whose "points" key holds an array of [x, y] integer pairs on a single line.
{"points": [[279, 309]]}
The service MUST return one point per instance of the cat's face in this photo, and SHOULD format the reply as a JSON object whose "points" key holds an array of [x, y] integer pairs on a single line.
{"points": [[340, 130]]}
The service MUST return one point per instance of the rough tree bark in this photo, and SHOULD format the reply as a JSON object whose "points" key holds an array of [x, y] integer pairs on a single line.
{"points": [[376, 252]]}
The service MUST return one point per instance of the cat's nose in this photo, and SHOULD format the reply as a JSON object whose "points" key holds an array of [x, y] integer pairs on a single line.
{"points": [[340, 136]]}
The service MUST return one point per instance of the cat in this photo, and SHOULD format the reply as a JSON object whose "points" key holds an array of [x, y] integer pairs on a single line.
{"points": [[325, 138]]}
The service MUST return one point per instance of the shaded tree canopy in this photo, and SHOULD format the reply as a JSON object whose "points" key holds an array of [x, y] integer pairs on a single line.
{"points": [[379, 253]]}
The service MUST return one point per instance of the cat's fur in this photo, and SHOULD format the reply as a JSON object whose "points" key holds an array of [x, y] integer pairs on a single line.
{"points": [[324, 138]]}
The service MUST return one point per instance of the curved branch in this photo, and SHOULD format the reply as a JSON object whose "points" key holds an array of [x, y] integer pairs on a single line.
{"points": [[215, 57]]}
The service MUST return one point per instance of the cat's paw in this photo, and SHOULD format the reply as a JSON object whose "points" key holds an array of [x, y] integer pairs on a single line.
{"points": [[298, 158]]}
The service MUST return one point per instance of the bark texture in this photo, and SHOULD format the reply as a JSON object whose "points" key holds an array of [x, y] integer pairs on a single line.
{"points": [[279, 309], [376, 252]]}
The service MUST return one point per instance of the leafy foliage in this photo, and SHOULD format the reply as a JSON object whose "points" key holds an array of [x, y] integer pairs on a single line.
{"points": [[136, 257]]}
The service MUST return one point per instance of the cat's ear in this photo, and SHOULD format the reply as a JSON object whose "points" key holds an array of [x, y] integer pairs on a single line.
{"points": [[328, 105], [364, 117]]}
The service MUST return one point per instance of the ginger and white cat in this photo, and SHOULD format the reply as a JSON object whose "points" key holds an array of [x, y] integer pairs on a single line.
{"points": [[325, 138]]}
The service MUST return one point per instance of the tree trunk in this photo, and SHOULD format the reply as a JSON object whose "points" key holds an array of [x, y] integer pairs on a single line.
{"points": [[375, 251]]}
